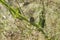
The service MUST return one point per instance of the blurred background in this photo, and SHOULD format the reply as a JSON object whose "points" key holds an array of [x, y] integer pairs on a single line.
{"points": [[44, 13]]}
